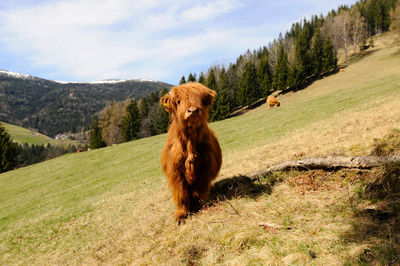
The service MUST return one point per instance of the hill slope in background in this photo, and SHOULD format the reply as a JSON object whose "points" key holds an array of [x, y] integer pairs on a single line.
{"points": [[56, 107], [22, 135], [112, 205]]}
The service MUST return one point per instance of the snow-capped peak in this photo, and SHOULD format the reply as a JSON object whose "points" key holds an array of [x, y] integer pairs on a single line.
{"points": [[14, 74], [107, 81]]}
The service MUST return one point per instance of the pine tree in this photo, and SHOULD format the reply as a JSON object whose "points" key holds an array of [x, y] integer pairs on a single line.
{"points": [[182, 81], [248, 85], [264, 73], [8, 151], [96, 140], [329, 60], [202, 78], [192, 77], [162, 117], [317, 52], [281, 72], [222, 105], [377, 13], [211, 83], [130, 124], [384, 19], [303, 64]]}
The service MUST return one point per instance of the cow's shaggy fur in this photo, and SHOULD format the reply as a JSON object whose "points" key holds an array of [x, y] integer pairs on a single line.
{"points": [[272, 101], [191, 158]]}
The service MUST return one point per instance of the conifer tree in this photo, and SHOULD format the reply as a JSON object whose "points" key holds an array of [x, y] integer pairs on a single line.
{"points": [[317, 52], [202, 78], [96, 140], [329, 61], [192, 77], [303, 64], [8, 151], [211, 83], [221, 104], [248, 85], [281, 72], [130, 124], [377, 13], [182, 81], [162, 117], [264, 73]]}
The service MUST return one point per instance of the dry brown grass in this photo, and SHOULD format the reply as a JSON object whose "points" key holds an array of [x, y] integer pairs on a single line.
{"points": [[350, 132]]}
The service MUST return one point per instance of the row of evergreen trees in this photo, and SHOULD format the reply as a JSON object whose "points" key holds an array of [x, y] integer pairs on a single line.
{"points": [[31, 154], [254, 76], [377, 14], [306, 52]]}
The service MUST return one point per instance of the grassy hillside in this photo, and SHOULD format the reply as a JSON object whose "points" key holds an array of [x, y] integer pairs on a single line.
{"points": [[112, 206], [23, 135]]}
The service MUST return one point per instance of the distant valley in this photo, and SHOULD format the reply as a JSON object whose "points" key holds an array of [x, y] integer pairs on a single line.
{"points": [[54, 107]]}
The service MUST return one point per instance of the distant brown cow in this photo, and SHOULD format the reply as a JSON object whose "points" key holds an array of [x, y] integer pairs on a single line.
{"points": [[272, 101], [192, 156]]}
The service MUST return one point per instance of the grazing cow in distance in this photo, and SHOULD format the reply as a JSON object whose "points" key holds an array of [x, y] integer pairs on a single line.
{"points": [[272, 101], [192, 157]]}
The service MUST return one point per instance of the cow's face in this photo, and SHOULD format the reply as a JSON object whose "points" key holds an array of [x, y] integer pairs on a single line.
{"points": [[189, 103]]}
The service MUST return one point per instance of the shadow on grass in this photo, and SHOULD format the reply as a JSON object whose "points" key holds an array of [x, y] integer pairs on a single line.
{"points": [[240, 187], [377, 226]]}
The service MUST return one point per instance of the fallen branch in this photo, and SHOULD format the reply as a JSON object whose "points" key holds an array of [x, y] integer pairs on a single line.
{"points": [[331, 163]]}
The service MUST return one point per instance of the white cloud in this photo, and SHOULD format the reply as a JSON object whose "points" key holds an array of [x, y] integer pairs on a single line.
{"points": [[209, 10], [94, 39], [157, 39]]}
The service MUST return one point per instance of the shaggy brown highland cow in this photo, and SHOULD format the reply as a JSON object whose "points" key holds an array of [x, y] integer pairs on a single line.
{"points": [[191, 158], [272, 101]]}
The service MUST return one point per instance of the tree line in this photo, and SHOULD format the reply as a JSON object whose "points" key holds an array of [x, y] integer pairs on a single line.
{"points": [[129, 120], [306, 52]]}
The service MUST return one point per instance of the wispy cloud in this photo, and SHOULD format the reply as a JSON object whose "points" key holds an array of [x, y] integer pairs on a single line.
{"points": [[157, 39]]}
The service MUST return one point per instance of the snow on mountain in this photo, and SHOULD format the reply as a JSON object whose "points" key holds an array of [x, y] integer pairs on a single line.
{"points": [[14, 74], [106, 81]]}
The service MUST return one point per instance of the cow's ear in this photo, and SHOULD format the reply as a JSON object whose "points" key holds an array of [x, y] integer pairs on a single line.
{"points": [[165, 102], [209, 97]]}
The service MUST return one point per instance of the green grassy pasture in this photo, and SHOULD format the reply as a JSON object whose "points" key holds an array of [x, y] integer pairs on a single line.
{"points": [[112, 206], [23, 135]]}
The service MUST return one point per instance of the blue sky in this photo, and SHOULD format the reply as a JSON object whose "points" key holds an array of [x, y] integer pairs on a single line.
{"points": [[88, 40]]}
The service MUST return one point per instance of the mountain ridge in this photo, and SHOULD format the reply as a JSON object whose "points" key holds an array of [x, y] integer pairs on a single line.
{"points": [[111, 80], [54, 107]]}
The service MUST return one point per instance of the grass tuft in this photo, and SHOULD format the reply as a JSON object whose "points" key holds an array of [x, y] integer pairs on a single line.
{"points": [[386, 184], [388, 145]]}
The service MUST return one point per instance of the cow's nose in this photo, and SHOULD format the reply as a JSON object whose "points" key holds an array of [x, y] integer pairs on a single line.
{"points": [[193, 110]]}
